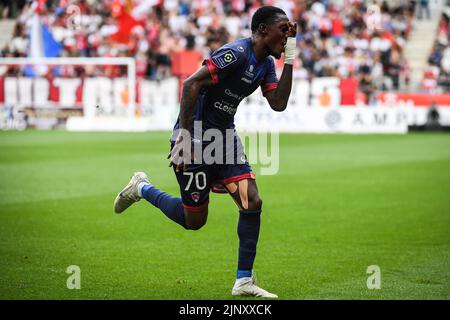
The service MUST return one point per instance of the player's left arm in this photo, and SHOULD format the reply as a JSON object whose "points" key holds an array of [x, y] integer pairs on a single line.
{"points": [[278, 98]]}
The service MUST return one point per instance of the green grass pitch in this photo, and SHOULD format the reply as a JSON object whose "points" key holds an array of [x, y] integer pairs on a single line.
{"points": [[339, 204]]}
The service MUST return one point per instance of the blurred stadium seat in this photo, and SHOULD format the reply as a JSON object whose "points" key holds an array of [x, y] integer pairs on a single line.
{"points": [[352, 52], [333, 37]]}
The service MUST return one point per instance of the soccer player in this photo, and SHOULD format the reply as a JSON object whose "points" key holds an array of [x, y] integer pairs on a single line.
{"points": [[210, 97]]}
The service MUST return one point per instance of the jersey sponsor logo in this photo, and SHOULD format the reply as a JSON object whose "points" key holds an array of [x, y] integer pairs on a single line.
{"points": [[248, 75], [246, 80], [230, 93], [224, 107], [249, 72], [225, 59]]}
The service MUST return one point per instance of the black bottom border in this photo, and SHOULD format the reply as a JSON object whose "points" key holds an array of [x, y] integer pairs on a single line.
{"points": [[224, 309]]}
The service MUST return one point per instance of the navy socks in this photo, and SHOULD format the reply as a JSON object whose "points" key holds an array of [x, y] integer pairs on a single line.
{"points": [[248, 225], [248, 232], [172, 207]]}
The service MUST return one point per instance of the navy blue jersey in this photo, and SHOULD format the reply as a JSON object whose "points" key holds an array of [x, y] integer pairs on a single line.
{"points": [[236, 74]]}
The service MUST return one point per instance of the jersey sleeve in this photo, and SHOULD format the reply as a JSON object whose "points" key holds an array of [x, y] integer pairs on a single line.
{"points": [[270, 81], [223, 62]]}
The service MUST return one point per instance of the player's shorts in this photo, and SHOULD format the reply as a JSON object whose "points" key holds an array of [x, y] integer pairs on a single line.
{"points": [[196, 182]]}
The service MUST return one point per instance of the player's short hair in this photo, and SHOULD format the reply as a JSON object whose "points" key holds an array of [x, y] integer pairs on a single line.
{"points": [[266, 15]]}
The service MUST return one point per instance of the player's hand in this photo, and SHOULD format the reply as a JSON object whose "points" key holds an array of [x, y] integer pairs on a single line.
{"points": [[290, 49], [178, 157], [292, 32]]}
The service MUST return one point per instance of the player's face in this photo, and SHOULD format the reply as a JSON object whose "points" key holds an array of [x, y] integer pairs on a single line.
{"points": [[277, 34]]}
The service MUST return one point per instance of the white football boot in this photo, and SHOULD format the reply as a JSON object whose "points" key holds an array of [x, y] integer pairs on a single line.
{"points": [[247, 287], [130, 194]]}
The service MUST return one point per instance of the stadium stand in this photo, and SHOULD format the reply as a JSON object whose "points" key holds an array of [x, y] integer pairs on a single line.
{"points": [[436, 78], [336, 38], [333, 37]]}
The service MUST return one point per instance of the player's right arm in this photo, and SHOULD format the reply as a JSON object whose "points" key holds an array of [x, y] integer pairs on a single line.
{"points": [[189, 97], [214, 70]]}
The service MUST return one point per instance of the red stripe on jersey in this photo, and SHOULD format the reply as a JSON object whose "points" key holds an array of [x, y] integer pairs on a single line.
{"points": [[200, 208], [269, 86], [250, 175], [213, 70]]}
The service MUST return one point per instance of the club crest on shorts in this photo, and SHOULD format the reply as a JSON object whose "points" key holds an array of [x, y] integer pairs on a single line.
{"points": [[195, 196]]}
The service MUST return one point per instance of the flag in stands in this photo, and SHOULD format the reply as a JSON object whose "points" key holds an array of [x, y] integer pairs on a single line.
{"points": [[129, 16], [42, 45]]}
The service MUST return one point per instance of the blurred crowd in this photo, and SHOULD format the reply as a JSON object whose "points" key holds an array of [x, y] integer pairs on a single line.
{"points": [[437, 76], [352, 40], [343, 38]]}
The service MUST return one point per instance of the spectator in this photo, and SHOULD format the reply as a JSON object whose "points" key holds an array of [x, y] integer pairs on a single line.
{"points": [[325, 98], [333, 37], [424, 5], [437, 76], [433, 118], [366, 85], [394, 69], [377, 73], [429, 82]]}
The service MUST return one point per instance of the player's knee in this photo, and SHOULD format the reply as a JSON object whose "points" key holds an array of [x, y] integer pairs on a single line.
{"points": [[254, 203], [195, 220], [195, 226]]}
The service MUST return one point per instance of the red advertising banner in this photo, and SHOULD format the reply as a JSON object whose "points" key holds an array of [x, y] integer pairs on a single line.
{"points": [[417, 99]]}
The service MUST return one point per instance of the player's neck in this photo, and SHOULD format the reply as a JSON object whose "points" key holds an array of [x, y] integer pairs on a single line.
{"points": [[258, 48]]}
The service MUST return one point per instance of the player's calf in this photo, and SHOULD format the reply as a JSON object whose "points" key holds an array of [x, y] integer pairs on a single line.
{"points": [[245, 194]]}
